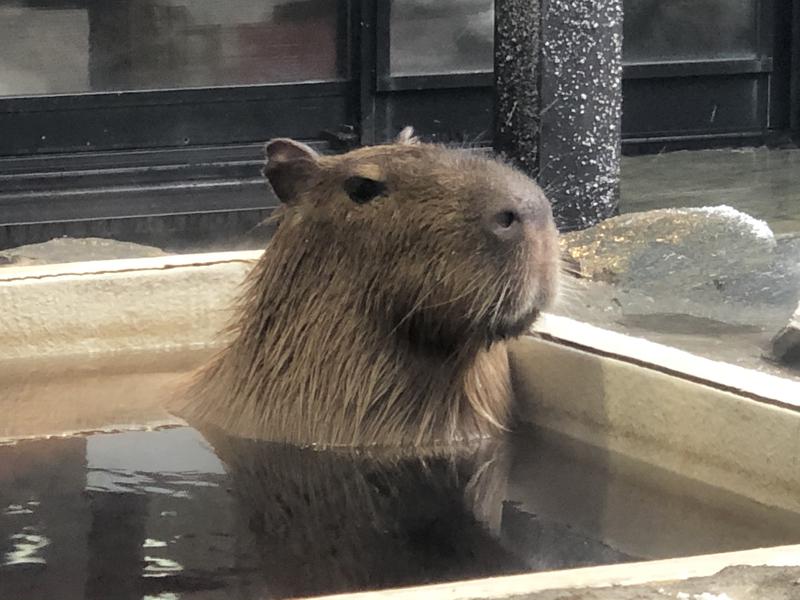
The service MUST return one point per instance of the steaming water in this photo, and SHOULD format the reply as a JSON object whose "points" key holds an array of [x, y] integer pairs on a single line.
{"points": [[176, 513]]}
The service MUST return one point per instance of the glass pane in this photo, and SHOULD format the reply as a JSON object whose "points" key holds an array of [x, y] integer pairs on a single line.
{"points": [[452, 36], [157, 44], [669, 30], [441, 36]]}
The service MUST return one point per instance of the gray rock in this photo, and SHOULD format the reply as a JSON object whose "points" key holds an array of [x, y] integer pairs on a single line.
{"points": [[695, 265], [786, 345], [63, 250]]}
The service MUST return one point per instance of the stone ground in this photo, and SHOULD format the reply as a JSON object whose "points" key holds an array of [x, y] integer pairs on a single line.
{"points": [[733, 583], [714, 283], [761, 182], [74, 250]]}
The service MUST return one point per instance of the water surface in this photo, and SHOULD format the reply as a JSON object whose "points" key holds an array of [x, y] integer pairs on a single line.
{"points": [[175, 512]]}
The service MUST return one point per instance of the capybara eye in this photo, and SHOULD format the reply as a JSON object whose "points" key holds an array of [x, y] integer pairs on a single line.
{"points": [[362, 189]]}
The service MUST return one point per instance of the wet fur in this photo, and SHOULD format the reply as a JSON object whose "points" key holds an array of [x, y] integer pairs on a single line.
{"points": [[382, 323]]}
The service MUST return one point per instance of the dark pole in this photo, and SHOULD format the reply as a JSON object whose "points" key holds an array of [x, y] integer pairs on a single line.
{"points": [[795, 93], [558, 79], [517, 55]]}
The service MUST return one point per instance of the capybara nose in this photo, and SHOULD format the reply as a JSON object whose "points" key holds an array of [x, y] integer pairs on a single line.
{"points": [[507, 224]]}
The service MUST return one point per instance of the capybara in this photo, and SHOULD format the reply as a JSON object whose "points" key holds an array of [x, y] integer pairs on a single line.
{"points": [[379, 311]]}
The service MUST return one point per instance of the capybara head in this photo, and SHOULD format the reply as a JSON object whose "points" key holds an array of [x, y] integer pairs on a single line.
{"points": [[450, 246], [378, 311]]}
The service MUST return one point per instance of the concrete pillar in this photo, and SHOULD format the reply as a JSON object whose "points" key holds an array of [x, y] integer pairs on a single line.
{"points": [[795, 94], [517, 55], [558, 79]]}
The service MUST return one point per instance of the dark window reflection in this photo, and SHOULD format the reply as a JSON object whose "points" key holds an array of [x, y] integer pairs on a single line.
{"points": [[441, 36], [668, 30], [108, 45], [450, 36]]}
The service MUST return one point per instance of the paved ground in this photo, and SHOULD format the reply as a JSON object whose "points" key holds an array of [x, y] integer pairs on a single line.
{"points": [[761, 182]]}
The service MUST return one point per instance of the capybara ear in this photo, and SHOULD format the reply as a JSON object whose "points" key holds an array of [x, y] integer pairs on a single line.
{"points": [[406, 136], [289, 167]]}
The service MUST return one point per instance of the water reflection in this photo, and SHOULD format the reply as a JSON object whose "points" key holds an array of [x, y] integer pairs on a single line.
{"points": [[321, 522], [452, 36], [441, 36], [71, 46], [670, 30]]}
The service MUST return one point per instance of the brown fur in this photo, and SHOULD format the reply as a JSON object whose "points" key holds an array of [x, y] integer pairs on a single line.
{"points": [[382, 323]]}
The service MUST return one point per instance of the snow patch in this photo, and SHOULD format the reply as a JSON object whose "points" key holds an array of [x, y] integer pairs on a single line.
{"points": [[759, 228]]}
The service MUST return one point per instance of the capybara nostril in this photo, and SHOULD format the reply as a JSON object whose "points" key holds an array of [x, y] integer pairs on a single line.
{"points": [[506, 218], [506, 225]]}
